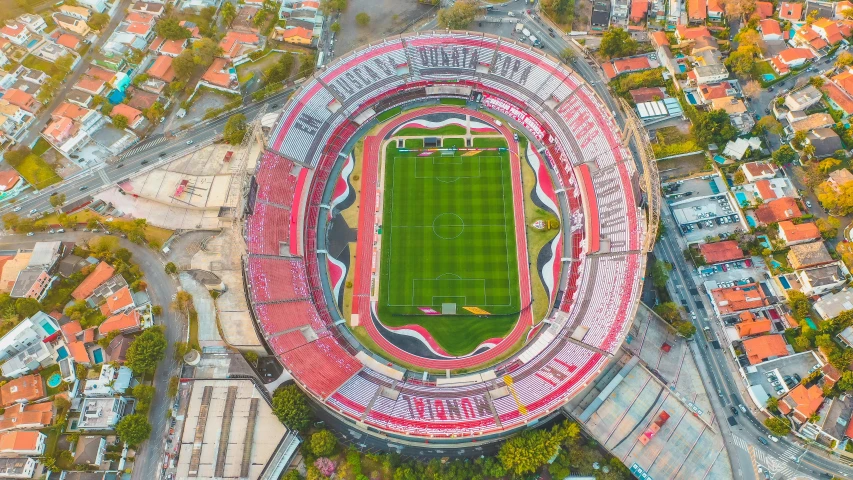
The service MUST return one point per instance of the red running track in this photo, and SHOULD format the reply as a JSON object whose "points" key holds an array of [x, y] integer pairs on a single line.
{"points": [[366, 237]]}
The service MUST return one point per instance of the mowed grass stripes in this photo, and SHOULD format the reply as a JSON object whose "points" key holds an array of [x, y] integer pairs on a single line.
{"points": [[448, 237]]}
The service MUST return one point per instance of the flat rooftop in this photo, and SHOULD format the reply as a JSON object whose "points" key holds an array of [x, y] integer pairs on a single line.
{"points": [[224, 419]]}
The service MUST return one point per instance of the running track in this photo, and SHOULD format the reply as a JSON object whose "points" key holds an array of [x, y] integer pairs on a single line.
{"points": [[367, 232]]}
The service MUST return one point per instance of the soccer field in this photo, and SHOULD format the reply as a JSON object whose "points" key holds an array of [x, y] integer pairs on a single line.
{"points": [[448, 238]]}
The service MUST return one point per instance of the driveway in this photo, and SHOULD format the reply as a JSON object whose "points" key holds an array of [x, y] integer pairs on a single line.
{"points": [[161, 288]]}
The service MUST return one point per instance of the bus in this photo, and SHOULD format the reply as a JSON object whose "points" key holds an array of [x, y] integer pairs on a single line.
{"points": [[320, 59]]}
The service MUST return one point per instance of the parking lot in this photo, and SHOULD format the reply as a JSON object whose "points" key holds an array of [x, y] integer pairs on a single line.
{"points": [[771, 375], [703, 208]]}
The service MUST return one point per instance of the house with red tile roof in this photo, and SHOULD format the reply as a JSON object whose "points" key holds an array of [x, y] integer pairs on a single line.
{"points": [[715, 10], [27, 416], [751, 326], [784, 208], [808, 38], [732, 300], [828, 30], [90, 85], [770, 29], [765, 347], [16, 33], [841, 9], [134, 117], [791, 11], [193, 28], [639, 9], [125, 322], [721, 252], [801, 402], [236, 45], [296, 35], [839, 92], [21, 99], [219, 76], [697, 11], [683, 33], [22, 443], [659, 39], [69, 41], [764, 9], [173, 48], [162, 69], [120, 301], [709, 92], [626, 65], [791, 58], [792, 233], [24, 389], [99, 275]]}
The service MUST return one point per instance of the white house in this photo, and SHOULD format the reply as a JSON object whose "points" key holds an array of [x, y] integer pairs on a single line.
{"points": [[29, 332]]}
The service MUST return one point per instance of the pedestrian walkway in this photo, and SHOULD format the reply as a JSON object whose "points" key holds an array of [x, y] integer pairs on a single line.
{"points": [[776, 464], [146, 146]]}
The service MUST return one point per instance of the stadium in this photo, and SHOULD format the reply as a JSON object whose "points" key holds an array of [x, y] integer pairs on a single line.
{"points": [[446, 237]]}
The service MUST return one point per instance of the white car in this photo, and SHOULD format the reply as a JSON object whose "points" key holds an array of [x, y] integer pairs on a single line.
{"points": [[17, 209], [30, 234], [773, 438], [808, 204]]}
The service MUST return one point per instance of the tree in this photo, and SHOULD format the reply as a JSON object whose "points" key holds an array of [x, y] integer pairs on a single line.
{"points": [[204, 51], [362, 19], [144, 394], [816, 82], [749, 37], [47, 90], [660, 274], [11, 220], [459, 15], [323, 443], [16, 156], [228, 12], [331, 6], [568, 54], [171, 269], [97, 20], [617, 42], [27, 307], [335, 28], [845, 383], [742, 61], [156, 310], [526, 452], [714, 127], [800, 305], [251, 357], [828, 227], [184, 65], [826, 165], [738, 8], [784, 155], [120, 121], [753, 89], [809, 150], [146, 351], [65, 63], [769, 124], [777, 426], [57, 200], [773, 404], [170, 28], [685, 328], [845, 59], [155, 112], [291, 407], [840, 202], [235, 129], [133, 429], [668, 311]]}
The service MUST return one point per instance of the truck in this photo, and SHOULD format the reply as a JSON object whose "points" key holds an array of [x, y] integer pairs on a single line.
{"points": [[708, 335], [535, 41], [525, 32], [519, 27]]}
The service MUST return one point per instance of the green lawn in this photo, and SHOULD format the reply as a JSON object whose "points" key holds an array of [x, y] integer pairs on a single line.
{"points": [[37, 172], [431, 132], [448, 237], [41, 147], [454, 101], [392, 112], [41, 64]]}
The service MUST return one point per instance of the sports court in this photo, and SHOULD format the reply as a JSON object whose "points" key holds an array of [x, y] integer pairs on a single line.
{"points": [[448, 241]]}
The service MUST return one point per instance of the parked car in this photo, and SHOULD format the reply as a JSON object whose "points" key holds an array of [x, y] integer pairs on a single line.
{"points": [[30, 234]]}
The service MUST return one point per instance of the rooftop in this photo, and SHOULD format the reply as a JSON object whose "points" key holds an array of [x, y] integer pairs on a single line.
{"points": [[725, 251], [798, 232], [23, 389], [99, 275], [808, 255], [784, 208], [763, 348], [738, 298]]}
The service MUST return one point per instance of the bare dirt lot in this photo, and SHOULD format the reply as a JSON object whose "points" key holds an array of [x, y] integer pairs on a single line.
{"points": [[387, 17]]}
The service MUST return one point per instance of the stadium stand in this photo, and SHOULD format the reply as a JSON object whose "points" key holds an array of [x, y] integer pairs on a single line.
{"points": [[582, 144]]}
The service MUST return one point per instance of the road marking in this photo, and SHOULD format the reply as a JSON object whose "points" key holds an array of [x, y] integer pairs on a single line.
{"points": [[140, 148]]}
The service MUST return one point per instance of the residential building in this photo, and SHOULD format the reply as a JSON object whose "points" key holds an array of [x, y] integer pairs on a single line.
{"points": [[831, 305], [801, 402], [770, 30], [76, 339], [739, 115], [125, 322], [17, 467], [822, 279], [673, 12], [81, 13], [21, 99], [683, 33], [753, 171], [639, 9], [101, 413], [647, 94], [28, 332], [150, 8], [840, 12], [105, 290], [97, 5], [811, 122], [172, 48], [706, 93], [71, 128], [33, 281], [111, 381], [296, 35], [810, 254], [764, 9], [90, 451], [825, 141], [839, 92], [119, 302], [795, 234], [17, 33], [219, 76], [705, 74], [809, 39], [11, 269], [765, 347], [715, 10], [827, 30], [802, 98], [839, 178], [790, 58], [236, 46], [71, 24], [778, 210], [751, 326], [697, 11], [68, 41], [25, 389], [626, 65], [90, 85], [34, 23], [721, 252], [34, 357], [161, 69], [731, 300], [134, 117], [600, 18], [32, 416], [22, 443], [791, 11], [117, 349], [102, 272]]}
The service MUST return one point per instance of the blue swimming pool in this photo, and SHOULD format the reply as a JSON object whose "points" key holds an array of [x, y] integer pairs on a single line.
{"points": [[54, 380], [741, 198], [48, 328], [115, 97], [98, 355], [719, 159], [768, 77], [690, 98], [750, 221], [783, 280], [61, 353], [682, 68], [714, 188]]}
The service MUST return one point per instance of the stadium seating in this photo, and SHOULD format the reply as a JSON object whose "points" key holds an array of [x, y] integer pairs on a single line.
{"points": [[583, 147]]}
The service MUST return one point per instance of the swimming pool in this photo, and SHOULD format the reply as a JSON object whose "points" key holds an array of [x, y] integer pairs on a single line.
{"points": [[682, 67], [750, 221], [115, 97], [719, 159], [690, 98], [741, 199], [48, 328], [765, 241], [61, 353], [54, 380], [768, 77], [714, 188], [98, 355], [783, 280]]}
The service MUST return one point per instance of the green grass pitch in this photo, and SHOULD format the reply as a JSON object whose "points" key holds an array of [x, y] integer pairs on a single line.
{"points": [[448, 236]]}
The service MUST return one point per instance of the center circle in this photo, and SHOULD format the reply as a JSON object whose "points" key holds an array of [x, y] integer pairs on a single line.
{"points": [[448, 226]]}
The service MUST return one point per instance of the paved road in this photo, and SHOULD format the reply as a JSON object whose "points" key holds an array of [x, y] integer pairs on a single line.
{"points": [[161, 288], [141, 157]]}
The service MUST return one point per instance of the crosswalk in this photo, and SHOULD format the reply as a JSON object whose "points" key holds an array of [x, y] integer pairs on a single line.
{"points": [[135, 150], [780, 466], [104, 177]]}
